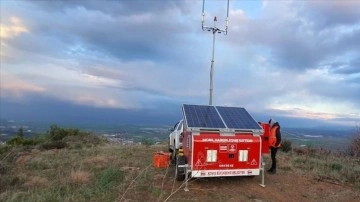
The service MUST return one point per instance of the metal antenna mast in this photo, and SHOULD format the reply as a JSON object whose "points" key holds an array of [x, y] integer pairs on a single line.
{"points": [[214, 30]]}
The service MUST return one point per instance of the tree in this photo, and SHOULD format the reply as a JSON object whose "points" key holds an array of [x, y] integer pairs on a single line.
{"points": [[354, 147], [20, 133]]}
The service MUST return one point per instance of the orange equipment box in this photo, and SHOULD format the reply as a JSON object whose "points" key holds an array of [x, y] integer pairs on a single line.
{"points": [[161, 159]]}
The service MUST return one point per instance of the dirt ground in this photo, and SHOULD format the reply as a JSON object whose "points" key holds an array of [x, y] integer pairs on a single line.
{"points": [[283, 186]]}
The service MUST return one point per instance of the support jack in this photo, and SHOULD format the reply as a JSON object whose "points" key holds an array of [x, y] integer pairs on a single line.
{"points": [[187, 172], [262, 173]]}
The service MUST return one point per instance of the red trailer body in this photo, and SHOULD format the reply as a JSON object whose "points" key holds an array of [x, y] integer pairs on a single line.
{"points": [[222, 141], [213, 154]]}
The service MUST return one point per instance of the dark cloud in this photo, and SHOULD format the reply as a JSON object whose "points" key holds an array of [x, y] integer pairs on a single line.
{"points": [[128, 30], [346, 68], [48, 110], [331, 13], [301, 35], [112, 7], [348, 42]]}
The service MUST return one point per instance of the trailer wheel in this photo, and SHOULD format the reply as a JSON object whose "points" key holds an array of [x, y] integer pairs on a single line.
{"points": [[173, 157], [180, 171]]}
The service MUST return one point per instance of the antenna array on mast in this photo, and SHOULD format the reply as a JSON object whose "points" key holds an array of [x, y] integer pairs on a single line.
{"points": [[214, 30]]}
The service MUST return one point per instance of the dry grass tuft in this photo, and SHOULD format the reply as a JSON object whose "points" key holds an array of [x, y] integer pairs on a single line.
{"points": [[80, 177], [97, 161], [128, 168], [284, 163], [37, 182], [51, 152], [23, 159], [35, 151]]}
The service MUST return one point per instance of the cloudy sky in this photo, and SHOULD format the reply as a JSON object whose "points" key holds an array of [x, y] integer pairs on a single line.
{"points": [[139, 60]]}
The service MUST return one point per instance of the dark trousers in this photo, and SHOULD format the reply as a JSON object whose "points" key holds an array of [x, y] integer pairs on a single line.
{"points": [[273, 158]]}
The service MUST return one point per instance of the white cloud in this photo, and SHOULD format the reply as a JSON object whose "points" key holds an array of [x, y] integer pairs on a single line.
{"points": [[11, 86], [13, 28]]}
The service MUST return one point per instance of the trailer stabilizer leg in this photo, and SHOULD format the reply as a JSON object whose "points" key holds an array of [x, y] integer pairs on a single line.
{"points": [[187, 171], [262, 174], [186, 178]]}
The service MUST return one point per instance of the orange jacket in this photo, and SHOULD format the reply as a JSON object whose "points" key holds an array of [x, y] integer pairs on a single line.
{"points": [[272, 137]]}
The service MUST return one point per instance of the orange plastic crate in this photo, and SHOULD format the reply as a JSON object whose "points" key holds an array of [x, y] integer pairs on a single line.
{"points": [[161, 159]]}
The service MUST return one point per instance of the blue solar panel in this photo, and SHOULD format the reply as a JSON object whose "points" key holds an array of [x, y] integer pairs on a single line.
{"points": [[237, 118], [205, 116], [202, 116]]}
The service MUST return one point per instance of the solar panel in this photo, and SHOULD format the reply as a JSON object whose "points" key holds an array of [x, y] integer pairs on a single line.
{"points": [[202, 116], [205, 116], [237, 118]]}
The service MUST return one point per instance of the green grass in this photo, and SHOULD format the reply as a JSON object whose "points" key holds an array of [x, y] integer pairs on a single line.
{"points": [[47, 175], [109, 178], [324, 164]]}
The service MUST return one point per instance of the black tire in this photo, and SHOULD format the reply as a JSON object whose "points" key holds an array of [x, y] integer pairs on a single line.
{"points": [[180, 171], [173, 157], [170, 149]]}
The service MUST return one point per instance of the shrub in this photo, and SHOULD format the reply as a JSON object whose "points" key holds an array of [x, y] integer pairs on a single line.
{"points": [[58, 144], [4, 149], [56, 133], [3, 168], [336, 166], [109, 178], [354, 148], [20, 133], [147, 142], [16, 141], [54, 139], [286, 145], [33, 141]]}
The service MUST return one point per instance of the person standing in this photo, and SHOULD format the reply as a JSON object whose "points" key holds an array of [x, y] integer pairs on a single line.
{"points": [[274, 143]]}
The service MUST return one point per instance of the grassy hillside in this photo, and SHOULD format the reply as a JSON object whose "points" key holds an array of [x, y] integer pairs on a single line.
{"points": [[89, 169], [101, 173]]}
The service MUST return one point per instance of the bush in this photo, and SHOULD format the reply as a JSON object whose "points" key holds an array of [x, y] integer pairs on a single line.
{"points": [[56, 133], [3, 168], [354, 148], [58, 144], [4, 149], [55, 138], [16, 141], [286, 145], [20, 133], [109, 178], [147, 142]]}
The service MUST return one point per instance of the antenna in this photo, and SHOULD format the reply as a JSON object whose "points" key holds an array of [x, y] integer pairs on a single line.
{"points": [[214, 30]]}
